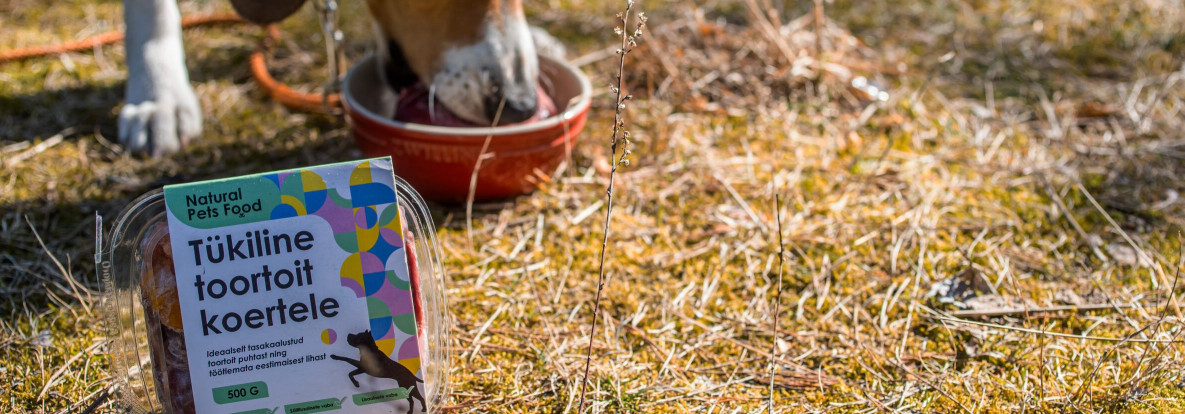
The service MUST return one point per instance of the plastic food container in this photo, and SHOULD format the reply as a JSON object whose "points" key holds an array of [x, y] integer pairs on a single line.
{"points": [[152, 378]]}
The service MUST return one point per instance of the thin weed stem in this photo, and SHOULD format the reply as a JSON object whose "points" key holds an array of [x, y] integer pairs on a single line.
{"points": [[620, 138], [773, 353], [481, 157]]}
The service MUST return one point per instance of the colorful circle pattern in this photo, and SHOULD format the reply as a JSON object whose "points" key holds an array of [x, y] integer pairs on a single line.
{"points": [[365, 224]]}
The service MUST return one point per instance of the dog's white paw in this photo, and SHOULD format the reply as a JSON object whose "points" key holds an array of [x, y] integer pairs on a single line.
{"points": [[161, 113], [159, 119]]}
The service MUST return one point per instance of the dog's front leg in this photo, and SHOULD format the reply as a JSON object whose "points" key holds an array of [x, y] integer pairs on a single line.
{"points": [[351, 361], [160, 113], [355, 373]]}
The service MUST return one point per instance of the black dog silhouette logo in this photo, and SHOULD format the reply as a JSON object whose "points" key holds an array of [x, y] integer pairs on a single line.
{"points": [[373, 362]]}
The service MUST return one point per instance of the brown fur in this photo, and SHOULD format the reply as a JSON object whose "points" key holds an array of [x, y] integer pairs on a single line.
{"points": [[425, 28]]}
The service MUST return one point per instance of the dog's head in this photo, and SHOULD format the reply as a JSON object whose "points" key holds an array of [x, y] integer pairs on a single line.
{"points": [[476, 56], [359, 339]]}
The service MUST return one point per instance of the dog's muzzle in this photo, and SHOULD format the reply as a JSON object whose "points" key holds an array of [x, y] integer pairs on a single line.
{"points": [[519, 106]]}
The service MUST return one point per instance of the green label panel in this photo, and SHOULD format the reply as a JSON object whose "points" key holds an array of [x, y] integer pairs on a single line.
{"points": [[381, 396], [328, 404], [220, 203], [241, 392]]}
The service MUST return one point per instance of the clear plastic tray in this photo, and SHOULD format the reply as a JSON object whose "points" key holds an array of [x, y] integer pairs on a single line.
{"points": [[121, 262]]}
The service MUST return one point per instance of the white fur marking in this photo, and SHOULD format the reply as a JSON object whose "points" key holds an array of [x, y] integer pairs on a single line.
{"points": [[463, 83], [160, 112]]}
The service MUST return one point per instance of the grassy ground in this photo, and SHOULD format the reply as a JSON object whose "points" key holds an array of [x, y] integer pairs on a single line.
{"points": [[1031, 149]]}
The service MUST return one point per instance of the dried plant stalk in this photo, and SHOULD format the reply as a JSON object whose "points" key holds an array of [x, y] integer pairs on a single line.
{"points": [[620, 137], [773, 353]]}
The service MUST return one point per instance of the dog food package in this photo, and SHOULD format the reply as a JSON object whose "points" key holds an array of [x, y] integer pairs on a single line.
{"points": [[310, 290]]}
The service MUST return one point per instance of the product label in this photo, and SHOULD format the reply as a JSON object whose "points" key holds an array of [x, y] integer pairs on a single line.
{"points": [[295, 293]]}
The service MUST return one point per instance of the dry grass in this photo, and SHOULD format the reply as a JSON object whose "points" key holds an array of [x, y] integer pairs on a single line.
{"points": [[1034, 147]]}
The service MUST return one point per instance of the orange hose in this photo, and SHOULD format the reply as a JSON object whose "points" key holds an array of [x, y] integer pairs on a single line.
{"points": [[75, 46], [110, 37], [280, 92]]}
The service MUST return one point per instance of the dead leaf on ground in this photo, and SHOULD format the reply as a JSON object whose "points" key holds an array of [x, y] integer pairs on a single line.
{"points": [[1096, 109]]}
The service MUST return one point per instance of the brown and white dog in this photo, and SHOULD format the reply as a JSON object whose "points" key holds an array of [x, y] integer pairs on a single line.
{"points": [[472, 55]]}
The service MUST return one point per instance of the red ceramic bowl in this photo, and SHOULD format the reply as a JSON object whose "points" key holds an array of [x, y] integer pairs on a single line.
{"points": [[438, 161]]}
